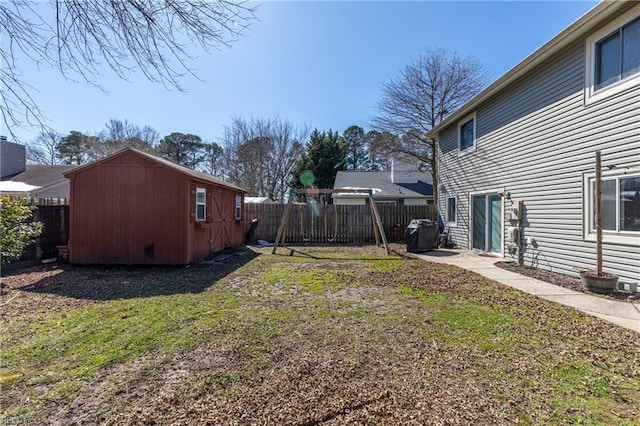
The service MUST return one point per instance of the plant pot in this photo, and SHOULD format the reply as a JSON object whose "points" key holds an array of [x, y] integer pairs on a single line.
{"points": [[603, 284]]}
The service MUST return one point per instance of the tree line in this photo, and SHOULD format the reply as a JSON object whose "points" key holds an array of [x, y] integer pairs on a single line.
{"points": [[263, 155]]}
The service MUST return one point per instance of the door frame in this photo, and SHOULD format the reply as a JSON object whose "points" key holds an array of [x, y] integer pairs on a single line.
{"points": [[488, 192]]}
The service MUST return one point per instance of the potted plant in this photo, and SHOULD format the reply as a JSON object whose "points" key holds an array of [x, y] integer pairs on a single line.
{"points": [[597, 281]]}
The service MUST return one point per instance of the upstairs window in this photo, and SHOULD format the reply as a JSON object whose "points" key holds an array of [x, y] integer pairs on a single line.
{"points": [[467, 134], [618, 55], [201, 204], [613, 57]]}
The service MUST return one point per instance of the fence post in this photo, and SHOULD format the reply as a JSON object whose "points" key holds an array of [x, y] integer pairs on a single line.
{"points": [[36, 218]]}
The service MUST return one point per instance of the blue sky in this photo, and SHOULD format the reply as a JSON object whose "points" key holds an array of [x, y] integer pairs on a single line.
{"points": [[320, 64]]}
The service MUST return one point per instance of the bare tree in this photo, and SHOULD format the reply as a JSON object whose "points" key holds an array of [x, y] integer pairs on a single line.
{"points": [[119, 134], [80, 37], [260, 154], [44, 148], [427, 90]]}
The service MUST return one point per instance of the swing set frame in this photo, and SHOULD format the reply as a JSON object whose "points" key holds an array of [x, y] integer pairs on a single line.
{"points": [[378, 229]]}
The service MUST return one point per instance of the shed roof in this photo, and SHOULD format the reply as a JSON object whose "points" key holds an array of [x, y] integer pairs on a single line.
{"points": [[195, 174], [382, 186], [580, 28]]}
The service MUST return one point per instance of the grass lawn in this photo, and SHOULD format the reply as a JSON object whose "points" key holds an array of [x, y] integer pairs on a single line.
{"points": [[332, 335]]}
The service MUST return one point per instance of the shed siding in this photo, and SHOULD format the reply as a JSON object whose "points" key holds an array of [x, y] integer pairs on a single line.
{"points": [[536, 140], [221, 229], [117, 217], [128, 212]]}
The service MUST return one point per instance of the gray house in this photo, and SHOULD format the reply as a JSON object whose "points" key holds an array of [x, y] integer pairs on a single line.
{"points": [[521, 154], [12, 158], [403, 185]]}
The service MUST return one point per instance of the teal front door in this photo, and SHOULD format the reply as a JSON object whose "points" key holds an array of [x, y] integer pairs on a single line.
{"points": [[486, 222]]}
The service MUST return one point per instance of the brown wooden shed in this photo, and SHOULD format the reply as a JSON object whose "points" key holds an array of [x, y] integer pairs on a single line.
{"points": [[134, 208]]}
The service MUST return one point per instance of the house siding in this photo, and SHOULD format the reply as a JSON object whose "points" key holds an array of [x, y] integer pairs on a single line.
{"points": [[13, 158], [537, 139], [57, 190]]}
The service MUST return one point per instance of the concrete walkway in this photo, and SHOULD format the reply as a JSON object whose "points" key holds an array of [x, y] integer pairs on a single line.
{"points": [[624, 314]]}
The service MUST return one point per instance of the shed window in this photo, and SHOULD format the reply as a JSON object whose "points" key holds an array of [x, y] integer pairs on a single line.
{"points": [[618, 55], [238, 207], [467, 134], [451, 210], [201, 204]]}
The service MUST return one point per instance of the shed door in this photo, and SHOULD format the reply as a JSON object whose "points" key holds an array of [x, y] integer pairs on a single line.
{"points": [[223, 218], [486, 223]]}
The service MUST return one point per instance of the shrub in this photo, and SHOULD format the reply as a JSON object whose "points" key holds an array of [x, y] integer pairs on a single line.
{"points": [[16, 232]]}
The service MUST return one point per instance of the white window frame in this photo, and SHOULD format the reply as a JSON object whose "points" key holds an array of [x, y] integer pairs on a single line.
{"points": [[591, 94], [455, 212], [201, 203], [238, 212], [588, 207], [475, 137]]}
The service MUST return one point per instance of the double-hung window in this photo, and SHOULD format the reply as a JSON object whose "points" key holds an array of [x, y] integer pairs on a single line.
{"points": [[618, 55], [238, 214], [201, 204], [613, 57], [467, 134], [620, 205]]}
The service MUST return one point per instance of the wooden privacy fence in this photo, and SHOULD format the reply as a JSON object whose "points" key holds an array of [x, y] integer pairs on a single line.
{"points": [[330, 223], [54, 215]]}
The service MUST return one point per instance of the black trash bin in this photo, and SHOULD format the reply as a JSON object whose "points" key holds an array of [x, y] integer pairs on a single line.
{"points": [[421, 235], [249, 237]]}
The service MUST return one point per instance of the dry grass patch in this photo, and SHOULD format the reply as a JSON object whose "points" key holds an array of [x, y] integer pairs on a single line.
{"points": [[315, 336]]}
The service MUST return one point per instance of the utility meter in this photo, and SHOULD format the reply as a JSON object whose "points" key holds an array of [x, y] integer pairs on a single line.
{"points": [[515, 213]]}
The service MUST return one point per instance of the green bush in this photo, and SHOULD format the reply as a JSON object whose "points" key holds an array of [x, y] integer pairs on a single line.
{"points": [[15, 230]]}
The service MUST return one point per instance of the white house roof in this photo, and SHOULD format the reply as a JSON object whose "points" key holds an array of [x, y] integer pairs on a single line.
{"points": [[9, 186], [258, 200], [573, 32]]}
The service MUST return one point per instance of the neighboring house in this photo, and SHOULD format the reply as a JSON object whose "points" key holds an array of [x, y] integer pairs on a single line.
{"points": [[45, 181], [531, 137], [403, 185], [34, 180], [134, 208]]}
